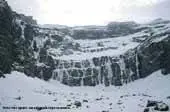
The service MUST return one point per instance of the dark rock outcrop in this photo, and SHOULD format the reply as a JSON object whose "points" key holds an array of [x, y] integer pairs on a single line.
{"points": [[157, 106], [6, 37]]}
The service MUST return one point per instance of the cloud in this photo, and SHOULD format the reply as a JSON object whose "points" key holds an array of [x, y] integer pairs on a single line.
{"points": [[162, 9], [28, 7], [85, 12]]}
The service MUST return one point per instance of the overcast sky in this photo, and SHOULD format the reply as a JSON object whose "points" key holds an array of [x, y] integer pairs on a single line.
{"points": [[92, 12]]}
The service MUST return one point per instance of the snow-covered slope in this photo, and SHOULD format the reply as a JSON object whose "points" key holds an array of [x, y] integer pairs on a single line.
{"points": [[19, 90]]}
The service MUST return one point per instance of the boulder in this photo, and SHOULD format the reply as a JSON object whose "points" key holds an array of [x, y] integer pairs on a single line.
{"points": [[77, 104], [161, 107]]}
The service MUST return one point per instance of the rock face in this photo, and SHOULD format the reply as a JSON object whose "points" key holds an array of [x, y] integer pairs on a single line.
{"points": [[115, 54], [113, 29], [154, 52]]}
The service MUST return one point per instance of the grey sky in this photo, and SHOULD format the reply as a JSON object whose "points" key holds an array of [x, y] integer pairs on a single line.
{"points": [[90, 12]]}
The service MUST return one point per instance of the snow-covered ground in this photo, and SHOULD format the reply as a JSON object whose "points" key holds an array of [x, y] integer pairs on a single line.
{"points": [[19, 90]]}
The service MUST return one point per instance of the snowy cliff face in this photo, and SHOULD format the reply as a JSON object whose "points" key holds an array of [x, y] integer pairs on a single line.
{"points": [[76, 59]]}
